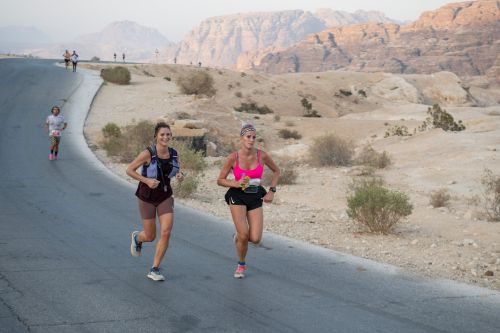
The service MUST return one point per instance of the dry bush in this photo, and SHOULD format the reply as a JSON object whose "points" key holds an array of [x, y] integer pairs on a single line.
{"points": [[288, 175], [397, 130], [277, 118], [330, 150], [238, 94], [375, 207], [197, 83], [491, 195], [118, 75], [439, 118], [111, 130], [253, 107], [289, 123], [190, 159], [370, 157], [134, 139], [288, 134], [182, 115], [440, 198], [187, 187]]}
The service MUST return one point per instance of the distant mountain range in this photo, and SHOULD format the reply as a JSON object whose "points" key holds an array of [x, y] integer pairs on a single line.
{"points": [[463, 38], [139, 43]]}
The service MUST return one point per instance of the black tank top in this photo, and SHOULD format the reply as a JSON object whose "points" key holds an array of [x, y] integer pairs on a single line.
{"points": [[163, 191]]}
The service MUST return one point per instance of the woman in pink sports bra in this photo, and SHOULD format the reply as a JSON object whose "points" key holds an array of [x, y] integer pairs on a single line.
{"points": [[245, 194]]}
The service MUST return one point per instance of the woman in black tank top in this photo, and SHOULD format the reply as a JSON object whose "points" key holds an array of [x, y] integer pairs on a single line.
{"points": [[154, 195]]}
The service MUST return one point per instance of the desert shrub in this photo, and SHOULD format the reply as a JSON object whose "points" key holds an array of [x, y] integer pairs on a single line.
{"points": [[491, 195], [131, 142], [168, 78], [370, 157], [288, 134], [187, 187], [330, 150], [362, 93], [345, 92], [238, 94], [197, 83], [190, 159], [288, 175], [277, 117], [182, 115], [243, 74], [289, 123], [439, 118], [375, 207], [308, 110], [397, 130], [252, 107], [118, 75], [440, 198], [111, 130], [230, 86], [95, 59]]}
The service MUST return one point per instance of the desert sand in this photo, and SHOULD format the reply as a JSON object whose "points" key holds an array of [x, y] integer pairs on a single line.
{"points": [[454, 242]]}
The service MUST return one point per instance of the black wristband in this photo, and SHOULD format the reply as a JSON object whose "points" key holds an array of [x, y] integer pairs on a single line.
{"points": [[272, 189]]}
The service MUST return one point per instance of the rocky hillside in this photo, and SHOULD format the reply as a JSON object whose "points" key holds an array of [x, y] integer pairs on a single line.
{"points": [[138, 42], [463, 38], [242, 38]]}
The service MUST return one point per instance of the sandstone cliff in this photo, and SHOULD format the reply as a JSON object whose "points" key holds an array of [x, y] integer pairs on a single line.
{"points": [[463, 38], [240, 40]]}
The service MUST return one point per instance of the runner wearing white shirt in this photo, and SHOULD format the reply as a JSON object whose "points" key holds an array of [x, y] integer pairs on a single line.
{"points": [[55, 125], [74, 60]]}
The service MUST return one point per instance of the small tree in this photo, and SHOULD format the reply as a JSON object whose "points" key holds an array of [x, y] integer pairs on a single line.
{"points": [[308, 110], [439, 118], [197, 83], [376, 207]]}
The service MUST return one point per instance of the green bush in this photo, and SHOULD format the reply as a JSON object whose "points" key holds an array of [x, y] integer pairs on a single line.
{"points": [[134, 139], [168, 78], [197, 83], [330, 150], [289, 134], [190, 159], [111, 130], [439, 118], [308, 110], [252, 107], [118, 75], [375, 207], [370, 157]]}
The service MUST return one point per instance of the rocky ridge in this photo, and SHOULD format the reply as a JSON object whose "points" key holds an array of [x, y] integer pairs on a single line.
{"points": [[460, 37], [242, 39]]}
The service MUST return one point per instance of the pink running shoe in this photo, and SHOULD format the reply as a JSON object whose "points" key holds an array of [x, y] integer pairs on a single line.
{"points": [[240, 272], [51, 157]]}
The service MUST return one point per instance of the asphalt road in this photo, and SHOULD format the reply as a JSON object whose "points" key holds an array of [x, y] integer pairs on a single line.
{"points": [[65, 264]]}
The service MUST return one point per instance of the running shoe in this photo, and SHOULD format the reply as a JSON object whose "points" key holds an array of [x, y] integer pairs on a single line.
{"points": [[55, 157], [135, 248], [155, 274], [51, 157], [239, 273]]}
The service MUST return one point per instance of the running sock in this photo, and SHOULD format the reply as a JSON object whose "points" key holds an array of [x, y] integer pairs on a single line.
{"points": [[52, 151], [241, 263], [55, 153]]}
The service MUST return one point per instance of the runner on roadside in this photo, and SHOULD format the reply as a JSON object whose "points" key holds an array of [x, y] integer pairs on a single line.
{"points": [[55, 125], [245, 194], [74, 60], [67, 58], [159, 163]]}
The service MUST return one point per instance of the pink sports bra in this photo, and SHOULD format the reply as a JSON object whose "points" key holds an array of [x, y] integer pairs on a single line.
{"points": [[253, 173]]}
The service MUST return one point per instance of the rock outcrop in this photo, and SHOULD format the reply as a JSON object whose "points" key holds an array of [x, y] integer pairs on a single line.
{"points": [[240, 40], [463, 38]]}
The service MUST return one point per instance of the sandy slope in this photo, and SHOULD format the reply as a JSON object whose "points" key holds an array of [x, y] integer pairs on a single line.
{"points": [[454, 242]]}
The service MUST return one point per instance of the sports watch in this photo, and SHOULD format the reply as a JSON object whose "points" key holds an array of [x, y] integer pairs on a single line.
{"points": [[272, 189]]}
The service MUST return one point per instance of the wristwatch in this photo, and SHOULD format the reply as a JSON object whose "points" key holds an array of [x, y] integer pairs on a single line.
{"points": [[272, 189]]}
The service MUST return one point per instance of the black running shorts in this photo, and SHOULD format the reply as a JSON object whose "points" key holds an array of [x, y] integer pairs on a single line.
{"points": [[235, 196]]}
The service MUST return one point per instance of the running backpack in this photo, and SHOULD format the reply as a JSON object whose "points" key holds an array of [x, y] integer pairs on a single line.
{"points": [[151, 171]]}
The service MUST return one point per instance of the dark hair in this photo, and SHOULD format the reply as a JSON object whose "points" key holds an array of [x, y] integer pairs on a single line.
{"points": [[55, 107], [161, 125]]}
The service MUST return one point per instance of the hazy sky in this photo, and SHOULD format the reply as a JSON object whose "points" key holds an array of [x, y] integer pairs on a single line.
{"points": [[64, 19]]}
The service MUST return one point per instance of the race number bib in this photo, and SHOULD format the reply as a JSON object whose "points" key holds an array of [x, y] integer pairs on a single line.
{"points": [[55, 133]]}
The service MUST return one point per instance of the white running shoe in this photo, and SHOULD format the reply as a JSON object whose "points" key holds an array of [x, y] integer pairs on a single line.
{"points": [[135, 248], [155, 275], [239, 273]]}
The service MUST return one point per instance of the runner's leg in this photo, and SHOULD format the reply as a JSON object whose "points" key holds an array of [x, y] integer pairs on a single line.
{"points": [[238, 213], [256, 225], [166, 217]]}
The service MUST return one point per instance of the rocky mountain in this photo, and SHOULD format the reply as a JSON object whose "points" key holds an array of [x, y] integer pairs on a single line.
{"points": [[242, 38], [463, 38], [139, 43]]}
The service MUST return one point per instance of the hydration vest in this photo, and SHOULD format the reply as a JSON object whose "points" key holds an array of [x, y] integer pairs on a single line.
{"points": [[152, 170]]}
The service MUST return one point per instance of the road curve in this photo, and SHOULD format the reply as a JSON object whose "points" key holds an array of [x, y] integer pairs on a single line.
{"points": [[65, 264]]}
